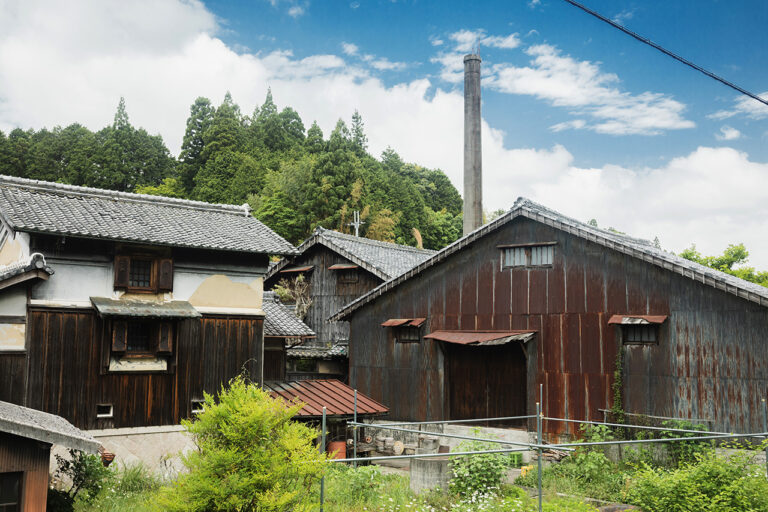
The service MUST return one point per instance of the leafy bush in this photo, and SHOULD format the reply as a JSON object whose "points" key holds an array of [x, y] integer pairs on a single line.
{"points": [[87, 474], [251, 456], [712, 483], [136, 478], [682, 452], [478, 473]]}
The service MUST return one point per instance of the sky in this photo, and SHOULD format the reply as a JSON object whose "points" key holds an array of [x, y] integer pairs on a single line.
{"points": [[576, 115]]}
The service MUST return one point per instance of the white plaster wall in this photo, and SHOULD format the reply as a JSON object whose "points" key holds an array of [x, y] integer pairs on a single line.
{"points": [[13, 301], [187, 280], [75, 281]]}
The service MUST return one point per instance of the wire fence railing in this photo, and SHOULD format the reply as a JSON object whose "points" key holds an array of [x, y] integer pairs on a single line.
{"points": [[518, 446]]}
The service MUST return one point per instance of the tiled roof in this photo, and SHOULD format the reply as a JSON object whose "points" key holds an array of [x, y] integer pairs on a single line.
{"points": [[34, 261], [383, 259], [635, 247], [332, 352], [280, 320], [41, 426], [42, 207]]}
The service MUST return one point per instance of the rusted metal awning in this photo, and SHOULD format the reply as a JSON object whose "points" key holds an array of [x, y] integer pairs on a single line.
{"points": [[637, 319], [297, 269], [337, 397], [481, 338], [144, 309], [404, 322], [343, 266]]}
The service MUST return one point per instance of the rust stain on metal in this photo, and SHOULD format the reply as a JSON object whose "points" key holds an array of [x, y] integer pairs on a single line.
{"points": [[334, 395]]}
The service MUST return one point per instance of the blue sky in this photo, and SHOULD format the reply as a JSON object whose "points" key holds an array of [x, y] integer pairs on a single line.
{"points": [[577, 115]]}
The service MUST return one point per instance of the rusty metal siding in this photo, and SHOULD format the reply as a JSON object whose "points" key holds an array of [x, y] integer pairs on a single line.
{"points": [[19, 454], [65, 374], [711, 361]]}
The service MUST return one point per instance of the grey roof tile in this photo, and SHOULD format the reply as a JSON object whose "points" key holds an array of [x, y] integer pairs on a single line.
{"points": [[335, 351], [280, 321], [42, 207], [45, 427], [34, 261], [384, 259], [636, 247]]}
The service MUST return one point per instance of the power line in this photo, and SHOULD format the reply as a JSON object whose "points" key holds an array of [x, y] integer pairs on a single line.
{"points": [[667, 52]]}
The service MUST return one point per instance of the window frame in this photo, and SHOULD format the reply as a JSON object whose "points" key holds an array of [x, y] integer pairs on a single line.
{"points": [[399, 331], [162, 344], [653, 328], [527, 249], [160, 273]]}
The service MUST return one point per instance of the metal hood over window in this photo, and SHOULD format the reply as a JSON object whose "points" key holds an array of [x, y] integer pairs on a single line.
{"points": [[144, 309], [637, 319], [481, 338]]}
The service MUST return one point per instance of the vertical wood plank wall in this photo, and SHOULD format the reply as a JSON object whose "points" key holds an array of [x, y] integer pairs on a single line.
{"points": [[19, 454], [64, 353]]}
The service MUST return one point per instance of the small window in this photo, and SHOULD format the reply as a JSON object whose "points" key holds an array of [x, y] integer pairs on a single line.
{"points": [[140, 337], [407, 334], [140, 274], [640, 334], [143, 274], [104, 411], [529, 256], [197, 406], [10, 491]]}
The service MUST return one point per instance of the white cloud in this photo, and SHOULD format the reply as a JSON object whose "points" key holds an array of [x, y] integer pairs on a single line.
{"points": [[745, 106], [294, 8], [465, 41], [436, 41], [576, 124], [728, 133], [295, 11], [534, 3], [585, 89], [349, 48], [623, 16], [383, 64], [713, 196]]}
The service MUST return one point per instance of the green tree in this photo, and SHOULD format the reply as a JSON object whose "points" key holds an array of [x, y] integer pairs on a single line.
{"points": [[732, 261], [251, 456], [359, 139], [314, 141], [191, 156]]}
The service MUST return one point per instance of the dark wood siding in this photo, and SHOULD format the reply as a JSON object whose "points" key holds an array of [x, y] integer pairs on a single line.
{"points": [[13, 368], [274, 359], [328, 294], [711, 362], [66, 376], [30, 457]]}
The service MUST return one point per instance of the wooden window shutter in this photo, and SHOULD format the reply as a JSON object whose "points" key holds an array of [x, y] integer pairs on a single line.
{"points": [[122, 271], [165, 343], [165, 275], [119, 335]]}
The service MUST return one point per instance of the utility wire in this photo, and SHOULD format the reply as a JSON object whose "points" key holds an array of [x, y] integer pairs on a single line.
{"points": [[667, 52]]}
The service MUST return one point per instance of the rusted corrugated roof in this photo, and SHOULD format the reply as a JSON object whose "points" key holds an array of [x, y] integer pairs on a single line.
{"points": [[637, 319], [297, 269], [343, 266], [145, 309], [480, 338], [397, 322], [337, 397]]}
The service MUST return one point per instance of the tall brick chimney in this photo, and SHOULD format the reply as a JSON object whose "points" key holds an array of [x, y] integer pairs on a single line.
{"points": [[473, 159]]}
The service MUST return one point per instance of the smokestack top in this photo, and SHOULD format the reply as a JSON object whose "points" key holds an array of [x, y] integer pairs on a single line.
{"points": [[472, 56], [473, 165]]}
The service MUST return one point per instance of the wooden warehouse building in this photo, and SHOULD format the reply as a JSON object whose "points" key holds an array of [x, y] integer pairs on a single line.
{"points": [[339, 268], [535, 297], [121, 310]]}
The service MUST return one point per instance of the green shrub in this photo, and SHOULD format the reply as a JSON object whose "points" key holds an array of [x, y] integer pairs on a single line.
{"points": [[136, 478], [681, 452], [87, 474], [711, 483], [250, 456], [478, 473]]}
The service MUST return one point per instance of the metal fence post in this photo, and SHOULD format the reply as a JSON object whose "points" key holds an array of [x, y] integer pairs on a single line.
{"points": [[538, 441], [354, 435], [322, 479], [765, 429]]}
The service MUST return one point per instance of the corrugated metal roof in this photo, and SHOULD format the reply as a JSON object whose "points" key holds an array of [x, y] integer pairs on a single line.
{"points": [[45, 427], [296, 269], [343, 266], [637, 319], [383, 259], [144, 309], [337, 397], [42, 207], [481, 338], [635, 247], [397, 322]]}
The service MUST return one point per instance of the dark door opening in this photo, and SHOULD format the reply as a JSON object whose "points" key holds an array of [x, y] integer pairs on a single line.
{"points": [[487, 382]]}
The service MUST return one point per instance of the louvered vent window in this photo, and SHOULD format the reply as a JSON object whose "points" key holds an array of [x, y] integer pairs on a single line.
{"points": [[529, 256], [640, 334]]}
